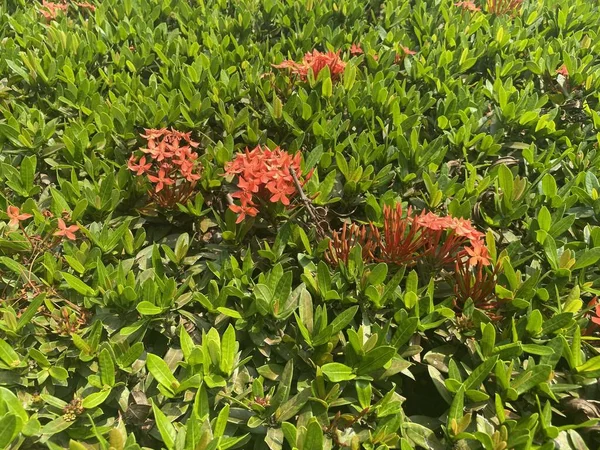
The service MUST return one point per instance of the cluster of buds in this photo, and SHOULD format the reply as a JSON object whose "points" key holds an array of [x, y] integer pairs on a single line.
{"points": [[263, 175], [407, 239], [73, 409], [169, 164], [439, 242], [51, 10], [342, 243], [65, 322], [263, 401], [501, 7], [315, 62], [356, 50]]}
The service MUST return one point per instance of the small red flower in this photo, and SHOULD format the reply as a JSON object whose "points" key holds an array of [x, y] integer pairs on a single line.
{"points": [[141, 167], [161, 180], [563, 71], [15, 216], [243, 211], [66, 231], [478, 254], [356, 50]]}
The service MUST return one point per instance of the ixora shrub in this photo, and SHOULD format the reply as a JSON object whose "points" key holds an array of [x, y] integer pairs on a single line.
{"points": [[308, 225]]}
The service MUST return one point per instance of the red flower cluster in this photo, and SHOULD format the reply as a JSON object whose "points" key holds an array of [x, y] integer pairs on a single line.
{"points": [[315, 61], [170, 164], [50, 10], [468, 5], [439, 242], [263, 174], [408, 239]]}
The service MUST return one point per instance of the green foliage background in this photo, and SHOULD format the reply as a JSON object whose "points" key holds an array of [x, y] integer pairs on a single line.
{"points": [[196, 333]]}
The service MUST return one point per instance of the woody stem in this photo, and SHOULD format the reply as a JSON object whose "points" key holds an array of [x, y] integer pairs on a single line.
{"points": [[307, 203]]}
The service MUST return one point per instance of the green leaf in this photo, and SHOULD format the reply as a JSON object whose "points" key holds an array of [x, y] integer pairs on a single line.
{"points": [[457, 406], [285, 385], [56, 426], [31, 311], [59, 373], [107, 368], [531, 378], [488, 340], [364, 392], [544, 219], [534, 322], [314, 436], [146, 308], [228, 350], [161, 372], [8, 355], [405, 331], [375, 359], [480, 374], [221, 421], [327, 87], [290, 408], [78, 285], [337, 372], [591, 365], [9, 429], [587, 258], [165, 427], [96, 399]]}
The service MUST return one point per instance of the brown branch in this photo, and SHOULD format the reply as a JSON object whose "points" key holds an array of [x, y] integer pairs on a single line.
{"points": [[307, 204]]}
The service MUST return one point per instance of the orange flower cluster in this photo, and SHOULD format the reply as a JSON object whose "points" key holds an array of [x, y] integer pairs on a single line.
{"points": [[440, 242], [468, 5], [263, 174], [50, 10], [408, 239], [170, 164], [315, 61]]}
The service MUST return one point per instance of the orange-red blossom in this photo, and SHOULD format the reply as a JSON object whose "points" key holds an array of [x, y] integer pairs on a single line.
{"points": [[315, 61], [263, 175], [15, 216], [170, 164]]}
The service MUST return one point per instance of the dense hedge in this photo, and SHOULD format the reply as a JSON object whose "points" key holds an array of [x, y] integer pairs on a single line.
{"points": [[271, 224]]}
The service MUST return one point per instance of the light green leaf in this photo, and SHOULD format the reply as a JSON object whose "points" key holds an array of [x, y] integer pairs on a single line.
{"points": [[337, 372]]}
